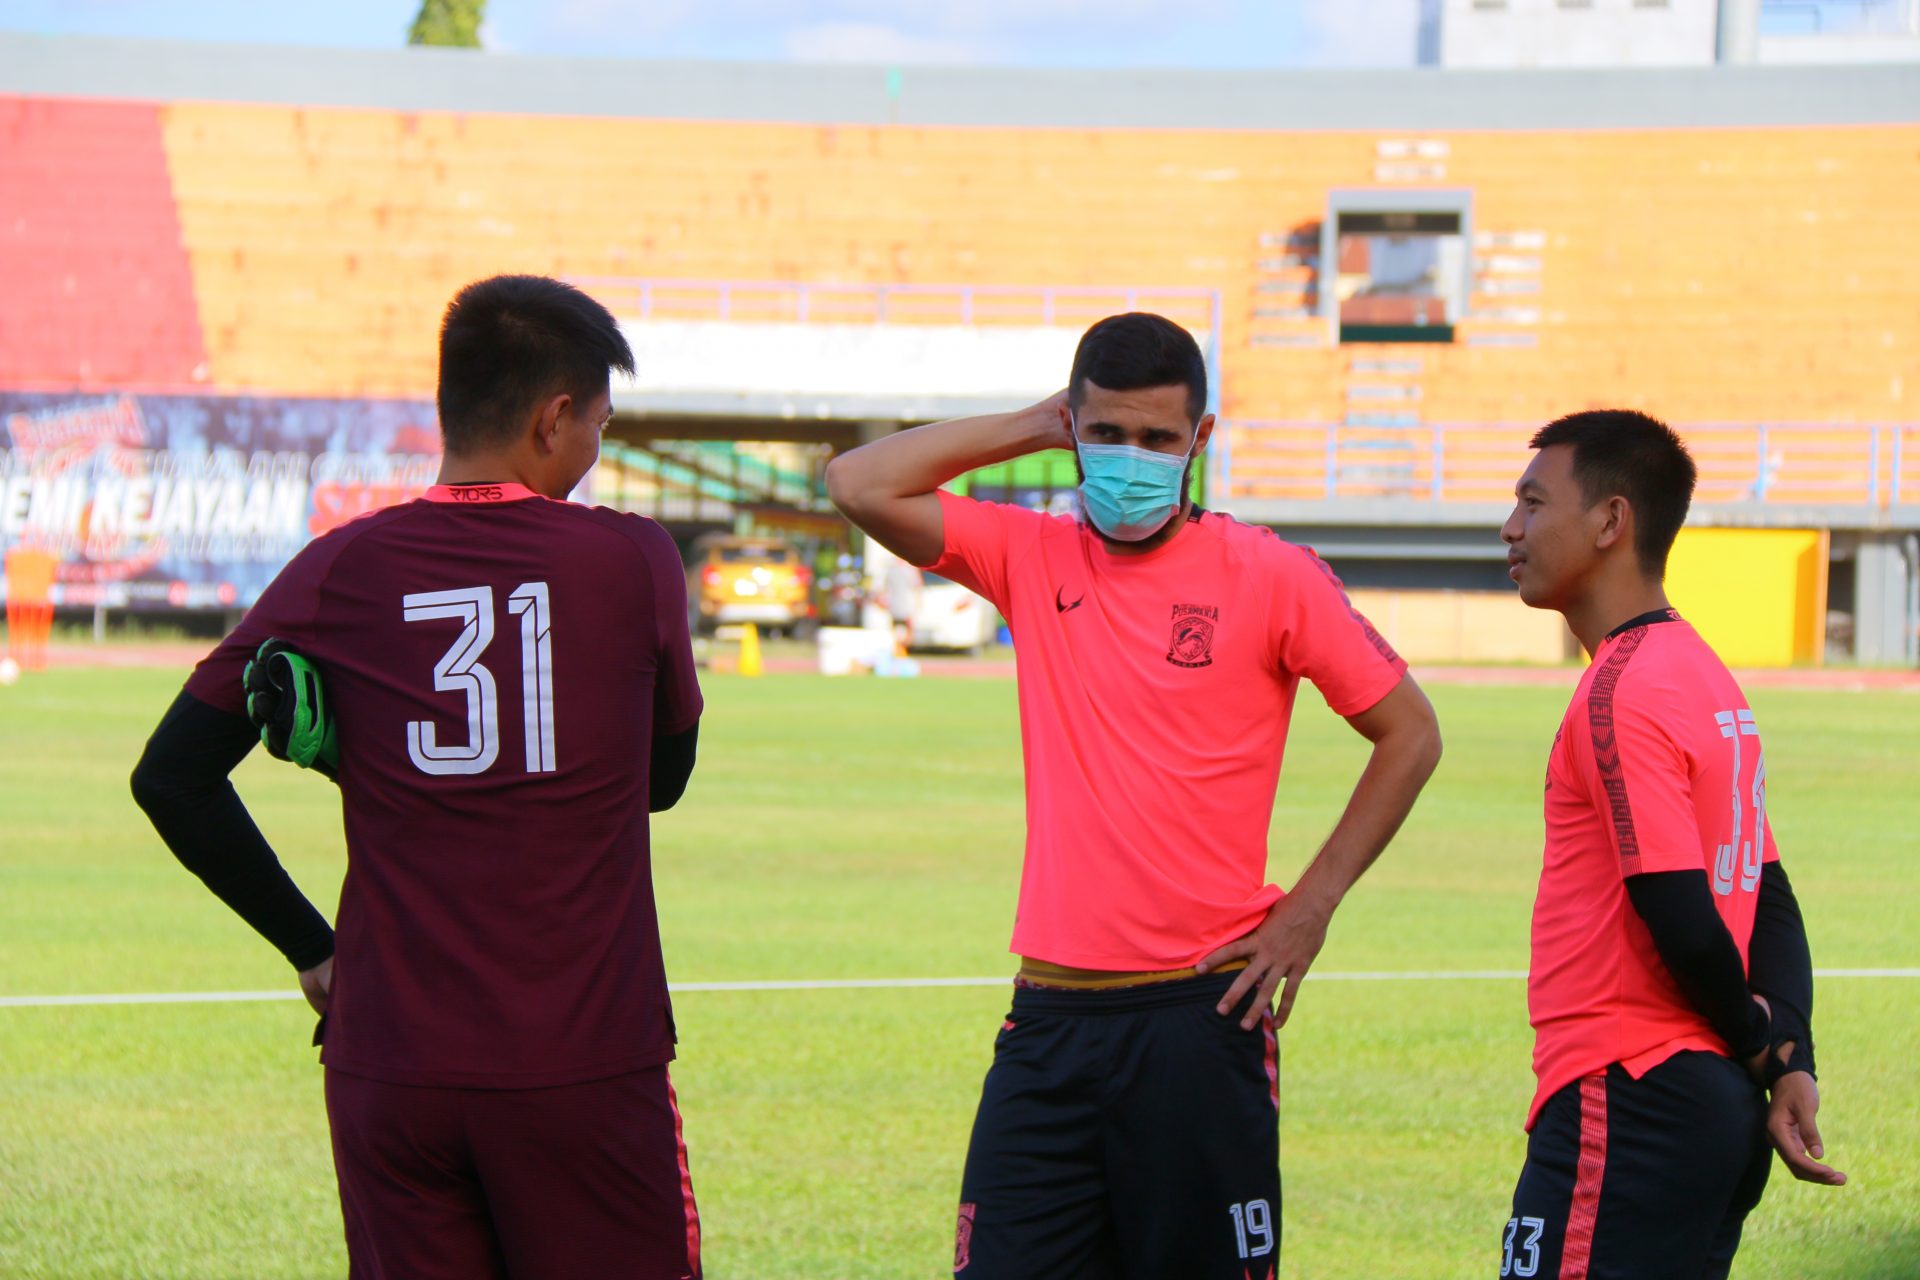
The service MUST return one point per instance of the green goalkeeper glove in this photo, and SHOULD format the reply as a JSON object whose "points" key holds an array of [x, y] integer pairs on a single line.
{"points": [[287, 703]]}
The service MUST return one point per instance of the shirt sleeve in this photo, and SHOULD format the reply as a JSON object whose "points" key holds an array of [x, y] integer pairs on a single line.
{"points": [[1317, 633], [1694, 945], [677, 702], [1645, 785], [285, 611], [1780, 966], [181, 783], [978, 543]]}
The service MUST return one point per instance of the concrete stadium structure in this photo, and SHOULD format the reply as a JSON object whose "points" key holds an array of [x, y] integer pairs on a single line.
{"points": [[1396, 275]]}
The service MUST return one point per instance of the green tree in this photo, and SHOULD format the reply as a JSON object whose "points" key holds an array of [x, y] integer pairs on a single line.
{"points": [[449, 23]]}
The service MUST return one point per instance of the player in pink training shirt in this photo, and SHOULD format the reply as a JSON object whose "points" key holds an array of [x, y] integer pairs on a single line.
{"points": [[515, 692], [1129, 1126], [1671, 986]]}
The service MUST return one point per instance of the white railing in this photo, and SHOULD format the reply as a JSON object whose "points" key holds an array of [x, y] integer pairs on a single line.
{"points": [[1875, 465], [808, 302]]}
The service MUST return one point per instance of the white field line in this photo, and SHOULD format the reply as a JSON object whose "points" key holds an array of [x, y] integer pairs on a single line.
{"points": [[852, 984]]}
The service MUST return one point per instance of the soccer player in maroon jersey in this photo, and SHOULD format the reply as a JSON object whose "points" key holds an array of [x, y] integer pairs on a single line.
{"points": [[1671, 989], [515, 691]]}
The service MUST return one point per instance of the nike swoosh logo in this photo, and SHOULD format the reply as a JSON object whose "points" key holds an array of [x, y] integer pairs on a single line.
{"points": [[1060, 601]]}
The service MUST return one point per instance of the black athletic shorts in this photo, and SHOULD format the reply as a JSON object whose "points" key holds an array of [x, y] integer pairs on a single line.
{"points": [[1647, 1179], [1125, 1134]]}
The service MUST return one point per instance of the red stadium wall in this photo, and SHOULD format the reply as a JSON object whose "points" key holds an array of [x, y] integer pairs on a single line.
{"points": [[97, 289]]}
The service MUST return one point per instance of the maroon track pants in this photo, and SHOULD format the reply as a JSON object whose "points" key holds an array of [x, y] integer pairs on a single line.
{"points": [[586, 1180]]}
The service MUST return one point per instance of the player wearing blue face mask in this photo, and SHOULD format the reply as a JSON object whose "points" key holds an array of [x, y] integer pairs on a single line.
{"points": [[1130, 493], [1136, 444], [1129, 1125]]}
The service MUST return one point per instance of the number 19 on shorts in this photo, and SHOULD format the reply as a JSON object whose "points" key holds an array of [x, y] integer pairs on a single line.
{"points": [[1253, 1228]]}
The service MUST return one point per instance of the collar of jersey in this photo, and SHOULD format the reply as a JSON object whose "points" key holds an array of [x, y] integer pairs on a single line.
{"points": [[468, 494], [1646, 619]]}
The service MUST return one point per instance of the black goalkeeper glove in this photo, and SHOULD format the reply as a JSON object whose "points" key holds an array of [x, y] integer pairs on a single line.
{"points": [[287, 703]]}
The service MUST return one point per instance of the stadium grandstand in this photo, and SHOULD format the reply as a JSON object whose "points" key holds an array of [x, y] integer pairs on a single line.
{"points": [[225, 268]]}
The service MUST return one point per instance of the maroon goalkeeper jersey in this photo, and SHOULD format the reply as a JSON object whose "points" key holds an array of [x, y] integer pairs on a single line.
{"points": [[499, 664]]}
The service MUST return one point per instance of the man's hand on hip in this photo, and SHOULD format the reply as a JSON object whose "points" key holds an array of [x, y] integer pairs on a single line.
{"points": [[1278, 950], [1406, 747], [316, 984]]}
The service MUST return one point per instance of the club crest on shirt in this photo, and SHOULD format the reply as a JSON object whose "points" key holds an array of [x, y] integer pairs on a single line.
{"points": [[1192, 642], [963, 1238]]}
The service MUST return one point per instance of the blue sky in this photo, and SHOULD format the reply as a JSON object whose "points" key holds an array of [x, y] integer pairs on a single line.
{"points": [[1059, 33]]}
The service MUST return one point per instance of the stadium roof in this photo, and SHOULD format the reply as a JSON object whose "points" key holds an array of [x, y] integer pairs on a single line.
{"points": [[461, 80]]}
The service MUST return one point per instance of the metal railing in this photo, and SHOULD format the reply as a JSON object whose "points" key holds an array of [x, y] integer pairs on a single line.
{"points": [[810, 302], [1876, 465]]}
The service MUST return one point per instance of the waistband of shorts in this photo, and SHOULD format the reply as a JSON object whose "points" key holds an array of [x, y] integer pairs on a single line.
{"points": [[1043, 973], [1201, 989]]}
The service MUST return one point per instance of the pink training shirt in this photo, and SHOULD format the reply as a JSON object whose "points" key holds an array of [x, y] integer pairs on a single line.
{"points": [[1657, 767], [1155, 692]]}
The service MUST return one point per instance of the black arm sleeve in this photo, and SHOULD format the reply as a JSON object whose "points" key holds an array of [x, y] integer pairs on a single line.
{"points": [[1780, 967], [1694, 944], [672, 766], [181, 782]]}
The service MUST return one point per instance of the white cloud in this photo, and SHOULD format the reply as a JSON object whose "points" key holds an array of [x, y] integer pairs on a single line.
{"points": [[1020, 15], [909, 20], [646, 17], [1361, 33], [1336, 33], [876, 42]]}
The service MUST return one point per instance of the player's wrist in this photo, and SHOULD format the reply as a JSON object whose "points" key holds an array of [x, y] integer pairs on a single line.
{"points": [[1787, 1057], [1312, 898], [1039, 427]]}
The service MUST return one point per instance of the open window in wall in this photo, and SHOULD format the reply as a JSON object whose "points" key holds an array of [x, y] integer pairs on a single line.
{"points": [[1401, 262]]}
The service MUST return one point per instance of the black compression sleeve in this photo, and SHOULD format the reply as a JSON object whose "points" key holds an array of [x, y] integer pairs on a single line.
{"points": [[1780, 967], [181, 782], [672, 766], [1677, 907]]}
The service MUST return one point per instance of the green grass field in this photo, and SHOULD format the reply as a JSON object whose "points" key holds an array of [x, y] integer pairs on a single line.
{"points": [[872, 829]]}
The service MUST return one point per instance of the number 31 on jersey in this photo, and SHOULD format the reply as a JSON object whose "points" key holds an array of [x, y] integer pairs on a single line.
{"points": [[460, 671]]}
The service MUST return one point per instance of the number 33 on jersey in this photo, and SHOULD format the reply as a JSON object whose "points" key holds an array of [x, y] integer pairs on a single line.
{"points": [[1658, 768], [1748, 832]]}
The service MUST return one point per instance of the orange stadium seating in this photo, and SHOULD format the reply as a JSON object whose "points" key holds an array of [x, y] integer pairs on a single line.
{"points": [[325, 241], [1734, 275]]}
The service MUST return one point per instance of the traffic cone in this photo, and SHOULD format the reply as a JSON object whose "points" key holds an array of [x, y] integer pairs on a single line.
{"points": [[750, 651]]}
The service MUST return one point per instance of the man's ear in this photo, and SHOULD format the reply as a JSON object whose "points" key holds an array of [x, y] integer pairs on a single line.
{"points": [[1616, 523], [546, 426], [1202, 432]]}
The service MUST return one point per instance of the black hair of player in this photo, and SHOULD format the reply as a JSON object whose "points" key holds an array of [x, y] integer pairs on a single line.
{"points": [[1625, 453], [1137, 350], [510, 342]]}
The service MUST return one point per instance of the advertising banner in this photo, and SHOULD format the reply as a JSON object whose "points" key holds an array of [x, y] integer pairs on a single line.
{"points": [[195, 502]]}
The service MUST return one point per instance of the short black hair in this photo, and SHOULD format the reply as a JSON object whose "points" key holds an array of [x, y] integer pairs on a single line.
{"points": [[1136, 350], [509, 342], [1625, 453]]}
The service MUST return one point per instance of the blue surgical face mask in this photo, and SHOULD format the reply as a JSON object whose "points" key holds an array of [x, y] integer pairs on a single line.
{"points": [[1130, 493]]}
